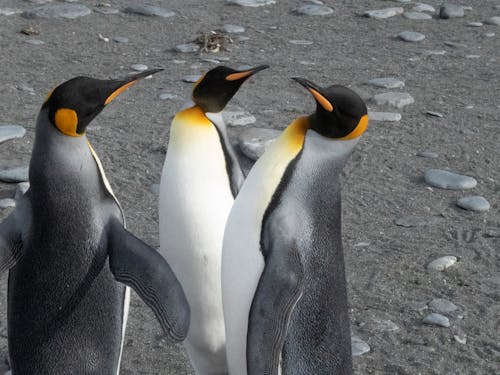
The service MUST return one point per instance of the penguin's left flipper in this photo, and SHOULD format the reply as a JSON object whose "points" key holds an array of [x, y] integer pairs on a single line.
{"points": [[279, 289], [137, 265]]}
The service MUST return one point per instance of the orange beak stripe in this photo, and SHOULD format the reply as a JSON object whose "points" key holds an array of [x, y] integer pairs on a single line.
{"points": [[240, 75], [118, 92], [321, 100]]}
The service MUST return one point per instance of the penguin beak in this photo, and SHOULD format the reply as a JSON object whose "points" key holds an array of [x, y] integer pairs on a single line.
{"points": [[121, 86], [244, 74], [316, 92]]}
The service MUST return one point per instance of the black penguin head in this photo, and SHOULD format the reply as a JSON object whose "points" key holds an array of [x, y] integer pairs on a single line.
{"points": [[214, 90], [73, 104], [340, 112]]}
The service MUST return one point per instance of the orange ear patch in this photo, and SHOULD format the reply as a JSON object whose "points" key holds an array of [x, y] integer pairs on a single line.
{"points": [[240, 75], [67, 121], [359, 129], [118, 92], [321, 100]]}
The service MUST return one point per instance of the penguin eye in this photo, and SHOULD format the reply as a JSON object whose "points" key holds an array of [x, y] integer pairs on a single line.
{"points": [[67, 121], [324, 102]]}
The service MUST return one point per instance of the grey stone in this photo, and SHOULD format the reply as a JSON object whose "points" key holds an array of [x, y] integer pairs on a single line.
{"points": [[313, 10], [139, 67], [421, 7], [493, 21], [211, 61], [34, 42], [387, 83], [492, 232], [448, 180], [358, 346], [474, 24], [455, 44], [473, 203], [253, 142], [395, 99], [384, 116], [11, 132], [191, 78], [440, 52], [440, 264], [39, 2], [19, 174], [187, 48], [70, 11], [9, 11], [155, 188], [7, 203], [24, 87], [250, 3], [383, 13], [120, 39], [436, 320], [233, 29], [417, 16], [428, 154], [238, 118], [411, 36], [106, 10], [21, 189], [415, 221], [149, 11], [301, 42], [167, 96], [451, 11], [442, 305], [383, 325], [489, 35], [434, 114]]}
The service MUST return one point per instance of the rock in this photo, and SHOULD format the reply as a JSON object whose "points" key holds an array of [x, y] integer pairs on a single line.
{"points": [[11, 132], [238, 118], [474, 24], [139, 67], [106, 10], [9, 11], [489, 35], [149, 11], [187, 48], [24, 87], [34, 42], [120, 39], [428, 154], [492, 232], [451, 11], [434, 52], [7, 203], [473, 203], [301, 42], [455, 44], [233, 29], [167, 96], [155, 188], [448, 180], [493, 21], [191, 78], [387, 83], [70, 11], [384, 116], [417, 16], [415, 221], [442, 263], [313, 10], [461, 338], [253, 142], [442, 305], [434, 114], [358, 346], [421, 7], [411, 36], [21, 189], [19, 174], [250, 3], [436, 320], [383, 13], [395, 99]]}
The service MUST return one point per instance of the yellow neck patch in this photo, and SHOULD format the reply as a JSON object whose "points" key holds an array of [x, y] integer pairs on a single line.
{"points": [[293, 137], [67, 122], [359, 129]]}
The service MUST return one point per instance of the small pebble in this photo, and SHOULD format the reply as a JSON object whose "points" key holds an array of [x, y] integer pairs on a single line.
{"points": [[187, 48], [120, 39], [139, 67], [167, 96], [149, 11], [434, 114], [489, 35], [9, 11], [411, 36], [415, 221], [233, 29], [395, 99], [19, 174], [448, 180], [417, 16], [250, 3], [384, 325], [106, 10], [383, 13], [253, 142], [155, 188], [442, 305], [473, 203], [428, 154], [7, 203], [35, 42], [451, 11], [238, 118], [436, 320], [460, 338], [69, 11], [442, 263], [493, 21], [440, 52], [8, 132], [384, 116], [301, 42], [474, 24], [421, 7], [313, 10], [387, 82], [23, 87], [191, 78], [455, 44], [358, 346], [492, 232]]}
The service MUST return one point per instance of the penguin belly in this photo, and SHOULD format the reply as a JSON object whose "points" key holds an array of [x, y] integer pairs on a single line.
{"points": [[195, 200]]}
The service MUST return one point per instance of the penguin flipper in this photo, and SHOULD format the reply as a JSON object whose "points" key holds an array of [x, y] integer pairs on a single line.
{"points": [[139, 266], [11, 233], [279, 289]]}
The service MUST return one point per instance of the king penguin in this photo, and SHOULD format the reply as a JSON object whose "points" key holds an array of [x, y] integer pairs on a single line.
{"points": [[283, 280], [201, 176], [66, 247]]}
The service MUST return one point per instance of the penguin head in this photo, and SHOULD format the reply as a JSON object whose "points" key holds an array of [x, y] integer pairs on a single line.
{"points": [[75, 103], [214, 90], [340, 112]]}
